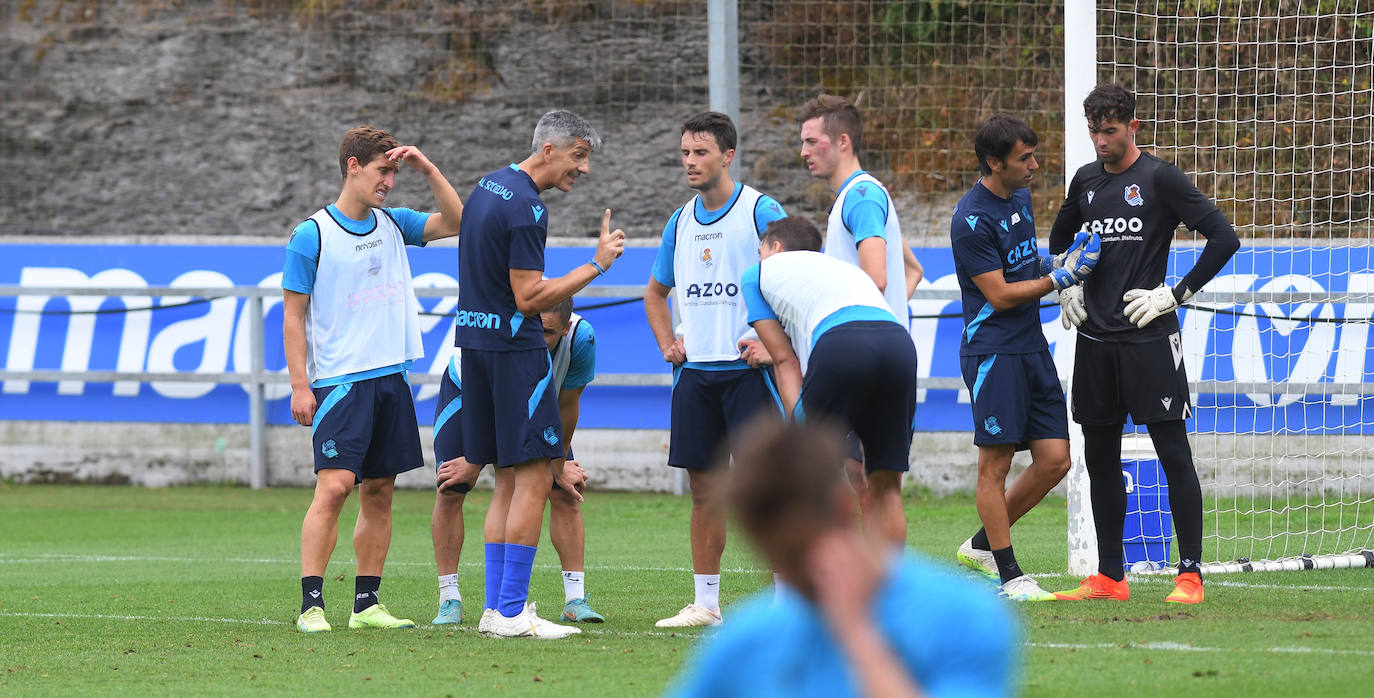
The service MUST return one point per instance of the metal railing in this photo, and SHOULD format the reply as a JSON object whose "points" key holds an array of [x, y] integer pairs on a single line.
{"points": [[258, 377]]}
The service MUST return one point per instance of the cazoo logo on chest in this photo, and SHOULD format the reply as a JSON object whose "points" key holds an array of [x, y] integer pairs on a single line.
{"points": [[711, 289]]}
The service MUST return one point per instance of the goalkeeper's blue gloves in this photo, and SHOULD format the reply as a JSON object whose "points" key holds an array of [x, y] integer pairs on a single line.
{"points": [[1070, 268]]}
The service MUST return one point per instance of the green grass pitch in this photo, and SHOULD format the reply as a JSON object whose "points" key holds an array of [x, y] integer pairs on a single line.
{"points": [[195, 591]]}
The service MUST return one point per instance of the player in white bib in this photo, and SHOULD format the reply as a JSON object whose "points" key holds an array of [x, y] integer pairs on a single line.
{"points": [[839, 353], [863, 227], [351, 328], [706, 247]]}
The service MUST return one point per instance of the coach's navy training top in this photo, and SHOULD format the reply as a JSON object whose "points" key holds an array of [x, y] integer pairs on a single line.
{"points": [[990, 233], [504, 227]]}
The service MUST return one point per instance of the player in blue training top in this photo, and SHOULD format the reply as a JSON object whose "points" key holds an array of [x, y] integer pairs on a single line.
{"points": [[1017, 399], [572, 344], [707, 244], [510, 413], [853, 628], [350, 329], [839, 353], [863, 230], [1129, 355]]}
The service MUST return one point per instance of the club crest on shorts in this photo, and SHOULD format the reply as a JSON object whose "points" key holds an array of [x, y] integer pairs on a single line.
{"points": [[1133, 196], [328, 449], [706, 257], [550, 436], [991, 426]]}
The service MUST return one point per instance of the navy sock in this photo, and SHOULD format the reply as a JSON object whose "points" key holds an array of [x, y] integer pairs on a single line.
{"points": [[312, 592], [515, 583], [1006, 564], [1102, 454], [980, 540], [365, 592], [493, 572]]}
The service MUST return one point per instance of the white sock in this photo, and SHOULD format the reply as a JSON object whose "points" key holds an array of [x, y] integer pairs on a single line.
{"points": [[708, 590], [448, 588], [779, 587], [573, 588]]}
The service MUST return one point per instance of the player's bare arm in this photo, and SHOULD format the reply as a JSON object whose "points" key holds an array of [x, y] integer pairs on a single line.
{"points": [[534, 294], [914, 271], [661, 322], [1005, 296], [571, 477], [873, 260], [294, 306], [443, 224], [786, 366]]}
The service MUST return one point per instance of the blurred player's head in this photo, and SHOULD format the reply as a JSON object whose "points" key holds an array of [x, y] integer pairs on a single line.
{"points": [[708, 146], [788, 234], [1110, 111], [787, 488], [367, 174], [556, 321], [1005, 146], [831, 130], [563, 143]]}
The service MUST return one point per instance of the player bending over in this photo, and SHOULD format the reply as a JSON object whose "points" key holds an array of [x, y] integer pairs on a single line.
{"points": [[1005, 360], [1129, 356], [351, 328], [839, 353], [572, 344]]}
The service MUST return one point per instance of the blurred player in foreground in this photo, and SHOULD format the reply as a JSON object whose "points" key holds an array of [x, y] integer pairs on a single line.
{"points": [[1018, 402], [863, 622], [510, 414], [707, 244], [351, 328], [572, 345], [1129, 355]]}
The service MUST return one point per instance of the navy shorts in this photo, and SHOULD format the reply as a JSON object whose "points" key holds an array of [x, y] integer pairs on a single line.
{"points": [[1017, 398], [367, 427], [708, 407], [448, 416], [863, 376], [510, 407], [1148, 380]]}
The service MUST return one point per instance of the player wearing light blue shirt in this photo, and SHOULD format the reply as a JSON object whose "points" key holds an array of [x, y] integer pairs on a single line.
{"points": [[350, 329], [571, 344], [706, 246], [855, 621], [839, 353]]}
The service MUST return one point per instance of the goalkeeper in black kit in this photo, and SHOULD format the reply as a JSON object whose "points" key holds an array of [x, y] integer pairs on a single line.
{"points": [[1129, 356]]}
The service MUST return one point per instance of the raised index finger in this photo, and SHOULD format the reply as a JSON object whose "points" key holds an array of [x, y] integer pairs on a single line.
{"points": [[606, 222]]}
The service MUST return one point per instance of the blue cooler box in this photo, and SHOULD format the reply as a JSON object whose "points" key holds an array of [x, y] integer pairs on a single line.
{"points": [[1149, 523]]}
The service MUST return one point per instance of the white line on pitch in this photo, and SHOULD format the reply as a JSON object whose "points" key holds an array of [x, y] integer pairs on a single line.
{"points": [[282, 561], [1180, 647], [102, 616]]}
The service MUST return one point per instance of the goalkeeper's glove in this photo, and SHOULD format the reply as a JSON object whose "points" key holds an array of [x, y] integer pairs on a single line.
{"points": [[1072, 310], [1144, 305], [1075, 263]]}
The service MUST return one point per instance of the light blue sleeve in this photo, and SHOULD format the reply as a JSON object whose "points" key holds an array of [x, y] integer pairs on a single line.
{"points": [[302, 257], [582, 362], [412, 224], [865, 211], [663, 262], [756, 307], [766, 211]]}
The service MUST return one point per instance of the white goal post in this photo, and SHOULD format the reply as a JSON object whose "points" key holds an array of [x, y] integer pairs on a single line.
{"points": [[1269, 107]]}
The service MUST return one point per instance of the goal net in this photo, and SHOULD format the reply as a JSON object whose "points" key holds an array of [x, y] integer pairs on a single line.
{"points": [[1267, 106]]}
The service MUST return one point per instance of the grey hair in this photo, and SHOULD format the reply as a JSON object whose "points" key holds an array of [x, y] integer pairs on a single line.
{"points": [[563, 128]]}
